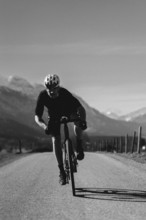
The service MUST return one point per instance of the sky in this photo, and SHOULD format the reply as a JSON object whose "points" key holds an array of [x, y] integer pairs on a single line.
{"points": [[97, 47]]}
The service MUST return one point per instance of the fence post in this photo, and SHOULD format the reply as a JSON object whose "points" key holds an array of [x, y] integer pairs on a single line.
{"points": [[120, 143], [126, 143], [133, 142], [117, 144], [100, 145], [112, 148], [20, 146], [139, 139], [114, 145], [106, 145]]}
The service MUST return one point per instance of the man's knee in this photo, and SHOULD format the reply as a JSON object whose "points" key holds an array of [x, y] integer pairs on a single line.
{"points": [[78, 131], [56, 140]]}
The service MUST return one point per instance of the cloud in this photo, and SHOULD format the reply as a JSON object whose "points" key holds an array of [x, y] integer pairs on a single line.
{"points": [[80, 48], [98, 48], [121, 50], [90, 49]]}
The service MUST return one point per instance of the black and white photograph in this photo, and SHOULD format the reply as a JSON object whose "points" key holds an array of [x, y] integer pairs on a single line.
{"points": [[72, 109]]}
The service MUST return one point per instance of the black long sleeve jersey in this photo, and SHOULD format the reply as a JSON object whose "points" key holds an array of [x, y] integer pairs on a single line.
{"points": [[64, 105]]}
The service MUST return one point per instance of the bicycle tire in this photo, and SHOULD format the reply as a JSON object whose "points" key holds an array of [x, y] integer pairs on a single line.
{"points": [[65, 162], [69, 152]]}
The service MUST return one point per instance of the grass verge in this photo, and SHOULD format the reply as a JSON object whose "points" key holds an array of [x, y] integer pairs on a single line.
{"points": [[6, 158]]}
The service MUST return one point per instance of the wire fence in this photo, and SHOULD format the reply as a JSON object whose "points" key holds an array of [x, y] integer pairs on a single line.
{"points": [[119, 144]]}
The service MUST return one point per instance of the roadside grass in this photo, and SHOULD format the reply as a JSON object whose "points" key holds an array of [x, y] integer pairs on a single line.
{"points": [[6, 158], [9, 157], [138, 157]]}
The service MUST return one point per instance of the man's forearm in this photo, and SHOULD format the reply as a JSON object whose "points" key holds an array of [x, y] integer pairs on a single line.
{"points": [[40, 122]]}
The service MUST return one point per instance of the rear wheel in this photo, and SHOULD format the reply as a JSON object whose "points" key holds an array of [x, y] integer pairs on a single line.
{"points": [[69, 152]]}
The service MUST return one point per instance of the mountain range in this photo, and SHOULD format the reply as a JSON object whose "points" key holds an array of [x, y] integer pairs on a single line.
{"points": [[138, 116], [17, 104]]}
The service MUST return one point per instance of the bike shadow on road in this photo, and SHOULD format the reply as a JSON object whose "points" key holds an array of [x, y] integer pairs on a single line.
{"points": [[128, 195]]}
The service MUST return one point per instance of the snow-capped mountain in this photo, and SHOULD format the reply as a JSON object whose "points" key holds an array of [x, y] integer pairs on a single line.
{"points": [[137, 116], [111, 114]]}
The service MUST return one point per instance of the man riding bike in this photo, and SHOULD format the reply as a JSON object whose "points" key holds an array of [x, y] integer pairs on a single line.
{"points": [[60, 102]]}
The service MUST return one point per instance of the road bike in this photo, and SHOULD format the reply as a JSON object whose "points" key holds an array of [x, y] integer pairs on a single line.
{"points": [[69, 155]]}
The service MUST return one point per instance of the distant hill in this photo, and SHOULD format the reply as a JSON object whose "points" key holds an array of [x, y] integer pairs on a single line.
{"points": [[17, 105], [17, 114]]}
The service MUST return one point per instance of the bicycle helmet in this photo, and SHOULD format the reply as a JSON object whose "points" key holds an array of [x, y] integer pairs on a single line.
{"points": [[51, 81]]}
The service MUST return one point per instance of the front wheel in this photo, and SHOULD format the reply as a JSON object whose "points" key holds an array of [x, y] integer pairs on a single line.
{"points": [[69, 152]]}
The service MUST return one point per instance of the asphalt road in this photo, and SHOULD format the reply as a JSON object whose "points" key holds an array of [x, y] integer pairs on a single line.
{"points": [[106, 189]]}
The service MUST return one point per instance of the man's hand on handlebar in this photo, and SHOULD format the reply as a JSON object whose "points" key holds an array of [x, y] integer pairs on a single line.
{"points": [[47, 131], [51, 124], [82, 125], [78, 121]]}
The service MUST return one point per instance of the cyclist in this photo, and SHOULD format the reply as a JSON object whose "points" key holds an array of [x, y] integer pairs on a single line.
{"points": [[60, 102]]}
